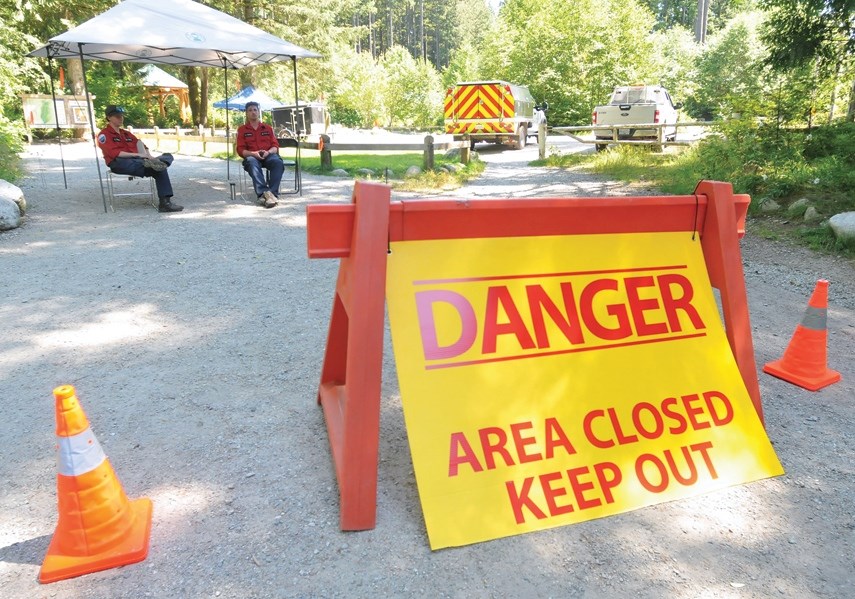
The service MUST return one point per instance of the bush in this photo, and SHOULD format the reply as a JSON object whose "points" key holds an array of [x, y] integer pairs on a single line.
{"points": [[11, 143], [832, 140], [349, 117]]}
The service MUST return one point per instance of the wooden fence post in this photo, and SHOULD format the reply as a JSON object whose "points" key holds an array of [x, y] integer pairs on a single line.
{"points": [[428, 159], [203, 134], [465, 155], [157, 138], [326, 153]]}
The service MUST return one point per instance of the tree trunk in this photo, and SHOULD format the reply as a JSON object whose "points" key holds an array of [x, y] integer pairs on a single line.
{"points": [[75, 78], [701, 21], [192, 92], [203, 98]]}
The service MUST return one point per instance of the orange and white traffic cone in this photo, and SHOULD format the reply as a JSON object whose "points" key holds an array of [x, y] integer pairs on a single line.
{"points": [[98, 528], [804, 362]]}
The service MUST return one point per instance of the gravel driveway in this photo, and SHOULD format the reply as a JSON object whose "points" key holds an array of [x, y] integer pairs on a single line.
{"points": [[195, 342]]}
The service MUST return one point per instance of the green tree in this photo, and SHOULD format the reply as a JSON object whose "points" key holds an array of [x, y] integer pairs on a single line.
{"points": [[674, 61], [465, 65], [571, 54], [413, 90], [356, 95], [730, 73], [820, 32]]}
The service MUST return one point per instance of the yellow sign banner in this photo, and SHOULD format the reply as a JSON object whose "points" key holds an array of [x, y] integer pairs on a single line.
{"points": [[553, 380]]}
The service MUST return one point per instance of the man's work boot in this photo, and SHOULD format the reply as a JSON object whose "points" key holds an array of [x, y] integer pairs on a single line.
{"points": [[166, 205], [269, 200], [154, 164]]}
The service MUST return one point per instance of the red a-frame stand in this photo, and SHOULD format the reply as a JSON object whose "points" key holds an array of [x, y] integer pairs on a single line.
{"points": [[359, 234]]}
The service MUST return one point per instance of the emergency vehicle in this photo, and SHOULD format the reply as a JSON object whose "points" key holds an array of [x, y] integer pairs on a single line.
{"points": [[493, 111]]}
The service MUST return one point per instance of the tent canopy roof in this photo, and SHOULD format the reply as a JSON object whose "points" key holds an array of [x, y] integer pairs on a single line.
{"points": [[177, 32], [155, 77], [249, 94]]}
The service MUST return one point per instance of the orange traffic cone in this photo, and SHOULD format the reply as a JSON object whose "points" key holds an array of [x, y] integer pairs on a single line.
{"points": [[98, 528], [804, 361]]}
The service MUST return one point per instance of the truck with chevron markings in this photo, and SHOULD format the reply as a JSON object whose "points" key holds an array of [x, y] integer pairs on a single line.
{"points": [[491, 111]]}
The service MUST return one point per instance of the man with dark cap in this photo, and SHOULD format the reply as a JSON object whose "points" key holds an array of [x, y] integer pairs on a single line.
{"points": [[126, 155], [258, 146]]}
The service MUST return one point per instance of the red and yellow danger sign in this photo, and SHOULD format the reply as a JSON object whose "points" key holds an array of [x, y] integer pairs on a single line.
{"points": [[553, 380]]}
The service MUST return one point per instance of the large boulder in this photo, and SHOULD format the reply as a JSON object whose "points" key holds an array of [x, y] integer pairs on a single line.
{"points": [[769, 205], [812, 215], [798, 207], [843, 225], [12, 206]]}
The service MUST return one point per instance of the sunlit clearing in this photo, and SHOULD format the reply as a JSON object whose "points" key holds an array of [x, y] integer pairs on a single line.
{"points": [[177, 503], [730, 515], [113, 327]]}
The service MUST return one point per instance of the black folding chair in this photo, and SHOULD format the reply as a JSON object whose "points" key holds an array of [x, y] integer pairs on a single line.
{"points": [[292, 163]]}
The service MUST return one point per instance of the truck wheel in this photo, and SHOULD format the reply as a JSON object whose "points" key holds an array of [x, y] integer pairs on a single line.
{"points": [[522, 134], [472, 145]]}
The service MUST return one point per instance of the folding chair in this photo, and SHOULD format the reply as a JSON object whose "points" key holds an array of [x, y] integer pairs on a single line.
{"points": [[291, 162], [247, 187], [138, 185], [288, 185]]}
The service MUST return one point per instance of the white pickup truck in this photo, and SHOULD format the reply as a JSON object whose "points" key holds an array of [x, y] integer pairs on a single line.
{"points": [[634, 105]]}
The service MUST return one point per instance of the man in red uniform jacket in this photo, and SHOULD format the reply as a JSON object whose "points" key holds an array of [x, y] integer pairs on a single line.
{"points": [[126, 155], [258, 146]]}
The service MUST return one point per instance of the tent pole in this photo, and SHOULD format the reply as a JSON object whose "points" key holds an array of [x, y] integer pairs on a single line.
{"points": [[297, 173], [92, 126], [56, 118], [228, 145], [296, 99]]}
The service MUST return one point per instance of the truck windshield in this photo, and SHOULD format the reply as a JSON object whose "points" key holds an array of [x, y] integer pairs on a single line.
{"points": [[631, 95]]}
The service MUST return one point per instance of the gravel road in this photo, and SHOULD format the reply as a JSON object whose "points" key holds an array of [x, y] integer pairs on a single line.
{"points": [[195, 342]]}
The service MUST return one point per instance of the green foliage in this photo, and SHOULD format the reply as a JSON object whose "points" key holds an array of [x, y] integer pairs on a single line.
{"points": [[570, 53], [18, 74], [413, 90], [464, 66], [356, 95], [730, 73], [800, 32], [11, 135], [761, 160], [834, 141], [120, 84], [674, 62]]}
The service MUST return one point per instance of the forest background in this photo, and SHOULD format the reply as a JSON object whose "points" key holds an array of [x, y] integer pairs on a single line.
{"points": [[788, 63]]}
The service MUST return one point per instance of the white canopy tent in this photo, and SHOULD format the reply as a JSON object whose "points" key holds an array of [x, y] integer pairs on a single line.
{"points": [[173, 32]]}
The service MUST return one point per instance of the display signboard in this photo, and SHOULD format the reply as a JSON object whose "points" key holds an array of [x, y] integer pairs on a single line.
{"points": [[555, 379], [45, 112]]}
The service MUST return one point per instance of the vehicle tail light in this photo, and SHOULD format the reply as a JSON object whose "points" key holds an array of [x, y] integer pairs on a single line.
{"points": [[656, 116], [594, 118]]}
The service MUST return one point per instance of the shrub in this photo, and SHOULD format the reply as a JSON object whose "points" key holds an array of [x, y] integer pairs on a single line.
{"points": [[11, 136]]}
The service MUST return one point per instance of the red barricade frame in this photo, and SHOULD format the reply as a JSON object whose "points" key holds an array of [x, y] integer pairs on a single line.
{"points": [[359, 234]]}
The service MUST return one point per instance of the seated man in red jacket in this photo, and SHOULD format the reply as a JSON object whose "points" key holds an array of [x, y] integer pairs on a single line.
{"points": [[126, 155], [258, 146]]}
